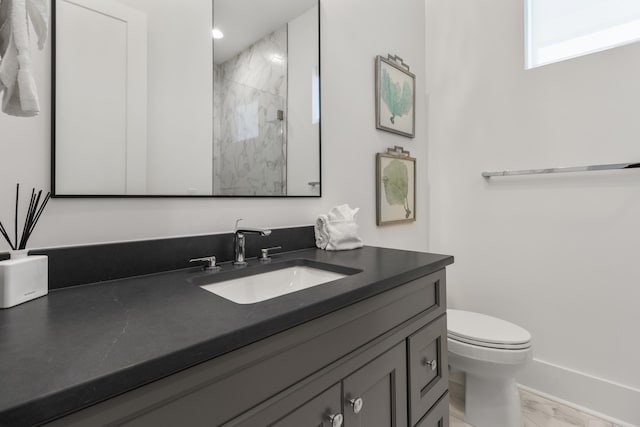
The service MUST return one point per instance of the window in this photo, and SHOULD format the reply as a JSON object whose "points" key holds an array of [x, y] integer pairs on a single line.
{"points": [[246, 120], [561, 29]]}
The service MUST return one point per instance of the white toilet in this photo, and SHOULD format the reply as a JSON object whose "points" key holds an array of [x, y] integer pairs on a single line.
{"points": [[490, 352]]}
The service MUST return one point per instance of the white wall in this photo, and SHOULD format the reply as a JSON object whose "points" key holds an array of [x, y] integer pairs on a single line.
{"points": [[144, 136], [556, 254], [352, 34], [303, 136], [102, 46], [180, 134]]}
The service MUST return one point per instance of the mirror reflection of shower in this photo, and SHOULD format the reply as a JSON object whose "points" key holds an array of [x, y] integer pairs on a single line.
{"points": [[251, 91], [266, 128]]}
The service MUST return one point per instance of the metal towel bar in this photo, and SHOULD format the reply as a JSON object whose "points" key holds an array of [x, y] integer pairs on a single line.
{"points": [[611, 166]]}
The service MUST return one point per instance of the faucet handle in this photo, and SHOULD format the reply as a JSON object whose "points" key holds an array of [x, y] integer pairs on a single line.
{"points": [[238, 222], [265, 253], [209, 262]]}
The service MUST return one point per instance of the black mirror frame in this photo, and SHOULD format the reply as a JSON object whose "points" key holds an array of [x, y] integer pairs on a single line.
{"points": [[55, 194]]}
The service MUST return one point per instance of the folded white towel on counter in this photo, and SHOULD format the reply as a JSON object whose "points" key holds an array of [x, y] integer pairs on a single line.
{"points": [[20, 97], [342, 212], [338, 229]]}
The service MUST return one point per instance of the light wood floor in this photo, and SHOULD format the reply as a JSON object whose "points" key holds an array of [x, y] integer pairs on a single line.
{"points": [[536, 412]]}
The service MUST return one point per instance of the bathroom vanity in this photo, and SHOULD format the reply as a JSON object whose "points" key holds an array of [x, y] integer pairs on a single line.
{"points": [[369, 349]]}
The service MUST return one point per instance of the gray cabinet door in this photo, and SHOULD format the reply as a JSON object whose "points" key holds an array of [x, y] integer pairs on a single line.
{"points": [[428, 371], [381, 386]]}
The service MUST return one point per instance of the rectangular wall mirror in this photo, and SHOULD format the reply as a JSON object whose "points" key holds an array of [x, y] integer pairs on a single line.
{"points": [[186, 98]]}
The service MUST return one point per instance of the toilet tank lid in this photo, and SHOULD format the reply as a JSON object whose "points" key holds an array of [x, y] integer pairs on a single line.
{"points": [[482, 328]]}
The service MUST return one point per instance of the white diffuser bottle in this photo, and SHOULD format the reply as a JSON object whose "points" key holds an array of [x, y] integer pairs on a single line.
{"points": [[23, 278]]}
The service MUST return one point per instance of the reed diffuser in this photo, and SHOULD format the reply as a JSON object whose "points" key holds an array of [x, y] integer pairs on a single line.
{"points": [[23, 277]]}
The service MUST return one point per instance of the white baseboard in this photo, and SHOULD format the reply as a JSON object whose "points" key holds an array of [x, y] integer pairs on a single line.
{"points": [[602, 398]]}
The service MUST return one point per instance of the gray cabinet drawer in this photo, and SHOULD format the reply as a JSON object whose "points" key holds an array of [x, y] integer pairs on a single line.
{"points": [[317, 412], [428, 373], [438, 416]]}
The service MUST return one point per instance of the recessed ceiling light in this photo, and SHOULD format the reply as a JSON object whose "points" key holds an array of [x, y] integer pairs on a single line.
{"points": [[217, 34]]}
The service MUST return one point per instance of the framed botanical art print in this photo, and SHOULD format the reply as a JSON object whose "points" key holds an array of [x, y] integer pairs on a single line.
{"points": [[395, 187], [395, 96]]}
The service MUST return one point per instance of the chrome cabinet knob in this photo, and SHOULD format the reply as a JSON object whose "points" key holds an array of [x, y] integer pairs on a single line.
{"points": [[356, 404], [432, 363], [336, 420]]}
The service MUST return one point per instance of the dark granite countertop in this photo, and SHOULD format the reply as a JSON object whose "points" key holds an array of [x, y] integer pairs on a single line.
{"points": [[84, 344]]}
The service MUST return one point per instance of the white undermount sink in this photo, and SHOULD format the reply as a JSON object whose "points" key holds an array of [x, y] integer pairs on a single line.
{"points": [[271, 284]]}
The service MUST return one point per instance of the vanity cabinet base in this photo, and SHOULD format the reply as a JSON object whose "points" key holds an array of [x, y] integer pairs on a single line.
{"points": [[317, 369]]}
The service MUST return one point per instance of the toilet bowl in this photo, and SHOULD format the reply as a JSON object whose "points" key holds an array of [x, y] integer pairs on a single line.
{"points": [[490, 351]]}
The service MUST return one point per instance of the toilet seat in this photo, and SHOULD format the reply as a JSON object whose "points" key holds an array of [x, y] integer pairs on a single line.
{"points": [[486, 331], [496, 346]]}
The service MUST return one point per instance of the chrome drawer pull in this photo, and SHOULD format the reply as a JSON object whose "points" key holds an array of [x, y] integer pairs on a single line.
{"points": [[336, 420], [356, 404], [433, 363]]}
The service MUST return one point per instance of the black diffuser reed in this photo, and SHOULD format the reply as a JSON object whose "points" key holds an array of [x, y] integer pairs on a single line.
{"points": [[33, 215]]}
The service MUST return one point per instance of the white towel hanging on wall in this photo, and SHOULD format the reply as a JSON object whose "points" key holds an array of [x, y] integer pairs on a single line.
{"points": [[20, 97]]}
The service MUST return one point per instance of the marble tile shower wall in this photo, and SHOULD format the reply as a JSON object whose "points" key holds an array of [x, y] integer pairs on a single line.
{"points": [[249, 139]]}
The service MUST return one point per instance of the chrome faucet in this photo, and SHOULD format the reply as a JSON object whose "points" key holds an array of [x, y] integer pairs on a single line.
{"points": [[239, 241]]}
